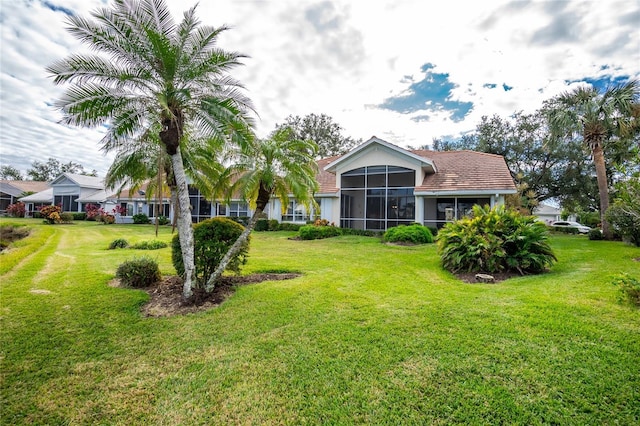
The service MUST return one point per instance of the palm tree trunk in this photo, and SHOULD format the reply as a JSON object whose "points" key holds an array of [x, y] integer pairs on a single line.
{"points": [[185, 231], [603, 187], [235, 248]]}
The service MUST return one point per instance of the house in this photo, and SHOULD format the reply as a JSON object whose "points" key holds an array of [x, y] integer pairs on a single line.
{"points": [[547, 213], [70, 191], [12, 190], [379, 185], [376, 186]]}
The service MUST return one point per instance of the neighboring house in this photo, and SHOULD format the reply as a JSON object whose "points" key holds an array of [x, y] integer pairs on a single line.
{"points": [[68, 191], [12, 190], [376, 186], [547, 213]]}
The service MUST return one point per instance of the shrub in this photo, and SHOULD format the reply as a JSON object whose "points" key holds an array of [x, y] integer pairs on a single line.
{"points": [[262, 225], [93, 211], [213, 238], [140, 219], [107, 219], [141, 272], [287, 226], [361, 232], [66, 217], [242, 220], [623, 222], [629, 288], [149, 245], [274, 225], [79, 216], [565, 229], [415, 234], [596, 234], [17, 209], [51, 214], [495, 240], [313, 232], [119, 243], [163, 220]]}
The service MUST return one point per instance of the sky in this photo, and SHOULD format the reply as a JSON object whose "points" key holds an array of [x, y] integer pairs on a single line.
{"points": [[406, 71]]}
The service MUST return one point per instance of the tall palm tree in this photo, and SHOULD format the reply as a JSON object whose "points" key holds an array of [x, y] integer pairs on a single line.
{"points": [[598, 118], [279, 166], [150, 74]]}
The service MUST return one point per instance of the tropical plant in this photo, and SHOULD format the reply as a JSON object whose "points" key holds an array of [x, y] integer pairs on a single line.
{"points": [[277, 166], [213, 238], [153, 76], [598, 118], [495, 240]]}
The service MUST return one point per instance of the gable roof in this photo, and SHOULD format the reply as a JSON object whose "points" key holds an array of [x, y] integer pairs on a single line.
{"points": [[466, 172], [80, 180], [45, 196]]}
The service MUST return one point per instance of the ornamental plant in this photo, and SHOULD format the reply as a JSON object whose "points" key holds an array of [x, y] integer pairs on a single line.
{"points": [[51, 214], [495, 240], [411, 234], [17, 209]]}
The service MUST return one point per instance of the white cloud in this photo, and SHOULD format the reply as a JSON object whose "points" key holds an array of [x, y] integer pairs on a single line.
{"points": [[341, 58]]}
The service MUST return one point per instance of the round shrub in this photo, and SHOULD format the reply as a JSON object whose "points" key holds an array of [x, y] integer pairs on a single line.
{"points": [[262, 225], [596, 234], [213, 238], [274, 225], [163, 220], [313, 232], [119, 243], [495, 240], [413, 234], [140, 272], [140, 219]]}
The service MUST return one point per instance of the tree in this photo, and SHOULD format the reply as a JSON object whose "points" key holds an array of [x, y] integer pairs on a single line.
{"points": [[10, 173], [323, 131], [277, 166], [598, 118], [52, 168], [150, 74]]}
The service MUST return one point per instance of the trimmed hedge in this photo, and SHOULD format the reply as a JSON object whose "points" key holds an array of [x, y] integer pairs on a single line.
{"points": [[414, 234], [313, 232]]}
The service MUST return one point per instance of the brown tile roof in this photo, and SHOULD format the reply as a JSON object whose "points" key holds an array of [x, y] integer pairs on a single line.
{"points": [[27, 185], [465, 171], [456, 171]]}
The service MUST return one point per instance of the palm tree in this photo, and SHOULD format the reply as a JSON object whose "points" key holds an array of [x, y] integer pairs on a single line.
{"points": [[150, 74], [278, 166], [598, 118]]}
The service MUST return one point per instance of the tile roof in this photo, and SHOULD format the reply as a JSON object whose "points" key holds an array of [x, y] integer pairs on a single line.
{"points": [[326, 180], [17, 187]]}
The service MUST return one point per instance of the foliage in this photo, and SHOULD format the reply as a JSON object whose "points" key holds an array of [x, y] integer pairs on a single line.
{"points": [[629, 288], [262, 225], [8, 172], [149, 245], [288, 226], [93, 211], [79, 216], [17, 209], [588, 218], [66, 217], [564, 229], [52, 168], [51, 214], [595, 234], [11, 233], [163, 220], [321, 130], [624, 214], [274, 225], [415, 234], [118, 243], [361, 232], [213, 237], [140, 272], [315, 232], [107, 219], [495, 240], [140, 219]]}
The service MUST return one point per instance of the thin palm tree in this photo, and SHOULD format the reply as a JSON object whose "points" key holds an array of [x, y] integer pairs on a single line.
{"points": [[279, 166], [599, 118], [150, 74]]}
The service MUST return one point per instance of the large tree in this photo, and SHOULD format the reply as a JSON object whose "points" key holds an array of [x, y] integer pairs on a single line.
{"points": [[149, 74], [8, 172], [52, 168], [598, 119], [280, 166], [323, 131]]}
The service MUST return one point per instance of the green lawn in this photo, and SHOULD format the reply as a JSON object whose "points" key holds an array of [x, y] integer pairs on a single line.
{"points": [[369, 334]]}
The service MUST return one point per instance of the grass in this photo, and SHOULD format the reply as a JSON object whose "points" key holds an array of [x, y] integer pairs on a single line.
{"points": [[370, 334]]}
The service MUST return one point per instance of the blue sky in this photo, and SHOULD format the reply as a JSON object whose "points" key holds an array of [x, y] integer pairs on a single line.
{"points": [[406, 71]]}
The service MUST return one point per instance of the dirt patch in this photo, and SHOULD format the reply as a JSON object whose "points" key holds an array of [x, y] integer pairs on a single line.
{"points": [[470, 277], [10, 234], [166, 295], [637, 259]]}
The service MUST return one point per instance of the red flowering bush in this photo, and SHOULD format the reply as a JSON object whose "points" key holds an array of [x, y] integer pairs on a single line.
{"points": [[51, 214], [17, 210]]}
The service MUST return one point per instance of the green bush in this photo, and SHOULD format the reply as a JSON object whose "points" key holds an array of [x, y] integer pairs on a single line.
{"points": [[414, 234], [79, 216], [149, 245], [565, 229], [66, 217], [596, 234], [287, 226], [163, 220], [629, 288], [140, 219], [623, 223], [119, 243], [242, 220], [262, 225], [495, 240], [274, 225], [361, 232], [313, 232], [141, 272], [213, 238]]}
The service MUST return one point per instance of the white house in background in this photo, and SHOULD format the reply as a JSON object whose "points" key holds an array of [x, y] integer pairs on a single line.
{"points": [[547, 213], [12, 190], [376, 186]]}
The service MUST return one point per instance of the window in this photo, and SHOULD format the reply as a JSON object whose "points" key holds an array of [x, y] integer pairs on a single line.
{"points": [[200, 206], [164, 209], [295, 212], [68, 203], [377, 197], [238, 209]]}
